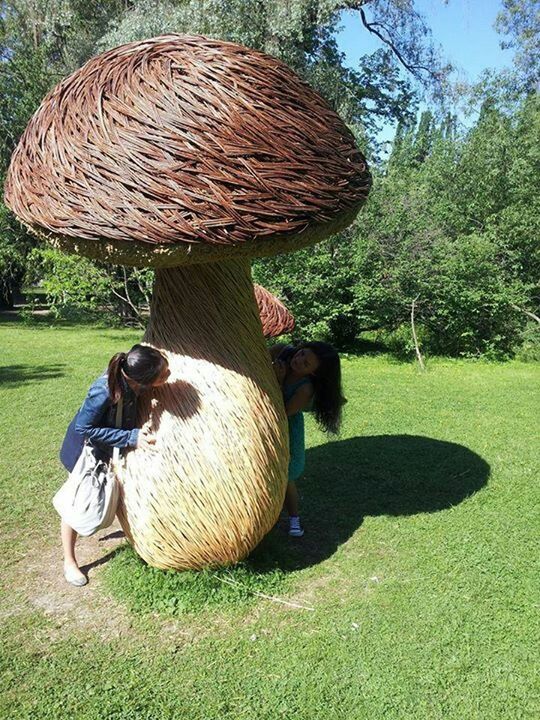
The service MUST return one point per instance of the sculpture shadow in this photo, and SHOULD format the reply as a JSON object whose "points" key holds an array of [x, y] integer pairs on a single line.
{"points": [[347, 480], [179, 398], [18, 375]]}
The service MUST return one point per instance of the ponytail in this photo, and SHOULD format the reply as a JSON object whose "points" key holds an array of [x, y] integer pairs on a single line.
{"points": [[114, 373]]}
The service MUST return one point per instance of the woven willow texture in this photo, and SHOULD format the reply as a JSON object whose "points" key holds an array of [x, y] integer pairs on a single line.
{"points": [[163, 256], [192, 155], [184, 140], [215, 483], [275, 318]]}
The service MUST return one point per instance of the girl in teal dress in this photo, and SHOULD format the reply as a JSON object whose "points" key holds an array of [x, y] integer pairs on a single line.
{"points": [[310, 377]]}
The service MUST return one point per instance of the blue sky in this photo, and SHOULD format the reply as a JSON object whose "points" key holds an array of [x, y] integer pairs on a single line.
{"points": [[463, 28]]}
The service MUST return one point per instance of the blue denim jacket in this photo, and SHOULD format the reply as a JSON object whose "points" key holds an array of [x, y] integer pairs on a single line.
{"points": [[95, 422]]}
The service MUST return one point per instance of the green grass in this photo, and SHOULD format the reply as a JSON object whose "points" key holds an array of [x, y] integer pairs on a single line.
{"points": [[146, 590], [420, 559]]}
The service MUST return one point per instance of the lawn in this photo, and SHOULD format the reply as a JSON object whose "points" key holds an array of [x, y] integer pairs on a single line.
{"points": [[413, 594]]}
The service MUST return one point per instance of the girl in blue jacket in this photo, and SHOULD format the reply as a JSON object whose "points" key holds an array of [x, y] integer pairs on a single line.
{"points": [[127, 375]]}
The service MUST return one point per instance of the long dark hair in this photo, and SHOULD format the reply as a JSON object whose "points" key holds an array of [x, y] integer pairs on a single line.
{"points": [[142, 364], [328, 398]]}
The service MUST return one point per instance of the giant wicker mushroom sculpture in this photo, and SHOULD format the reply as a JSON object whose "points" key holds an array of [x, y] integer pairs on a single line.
{"points": [[192, 156]]}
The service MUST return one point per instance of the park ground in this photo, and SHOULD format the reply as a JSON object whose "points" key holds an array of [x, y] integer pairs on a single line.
{"points": [[413, 594]]}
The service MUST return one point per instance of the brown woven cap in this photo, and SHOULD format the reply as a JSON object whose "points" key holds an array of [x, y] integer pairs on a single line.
{"points": [[178, 148], [275, 318]]}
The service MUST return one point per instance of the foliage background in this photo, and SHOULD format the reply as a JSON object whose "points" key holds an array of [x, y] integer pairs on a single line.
{"points": [[453, 217]]}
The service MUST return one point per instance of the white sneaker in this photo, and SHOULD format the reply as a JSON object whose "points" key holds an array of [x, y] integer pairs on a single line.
{"points": [[295, 529]]}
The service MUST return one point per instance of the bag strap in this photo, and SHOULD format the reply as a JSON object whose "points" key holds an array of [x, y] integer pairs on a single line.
{"points": [[118, 424], [119, 412]]}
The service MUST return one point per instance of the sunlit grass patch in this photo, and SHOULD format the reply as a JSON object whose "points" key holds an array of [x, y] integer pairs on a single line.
{"points": [[145, 589]]}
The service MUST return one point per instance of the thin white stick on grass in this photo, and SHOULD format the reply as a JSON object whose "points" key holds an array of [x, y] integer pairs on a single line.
{"points": [[418, 353], [273, 598]]}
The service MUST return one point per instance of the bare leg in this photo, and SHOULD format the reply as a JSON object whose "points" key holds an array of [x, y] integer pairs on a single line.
{"points": [[69, 538], [291, 498], [71, 569]]}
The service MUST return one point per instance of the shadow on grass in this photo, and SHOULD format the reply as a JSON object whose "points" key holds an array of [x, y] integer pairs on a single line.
{"points": [[37, 321], [368, 476], [10, 317], [18, 375], [346, 481], [364, 346], [51, 322]]}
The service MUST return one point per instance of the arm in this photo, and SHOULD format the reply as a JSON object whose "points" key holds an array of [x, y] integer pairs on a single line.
{"points": [[280, 367], [300, 400], [91, 415]]}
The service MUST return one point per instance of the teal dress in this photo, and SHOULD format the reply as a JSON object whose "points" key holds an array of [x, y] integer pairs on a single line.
{"points": [[297, 449]]}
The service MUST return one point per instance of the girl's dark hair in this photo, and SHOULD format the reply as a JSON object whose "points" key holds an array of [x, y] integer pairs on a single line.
{"points": [[142, 364], [328, 398]]}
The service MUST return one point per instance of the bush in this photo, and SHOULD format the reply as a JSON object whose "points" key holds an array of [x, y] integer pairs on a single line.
{"points": [[316, 284], [464, 296], [528, 345], [81, 289], [400, 341]]}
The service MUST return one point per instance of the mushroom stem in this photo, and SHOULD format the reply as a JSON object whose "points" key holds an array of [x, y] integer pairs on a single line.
{"points": [[215, 483]]}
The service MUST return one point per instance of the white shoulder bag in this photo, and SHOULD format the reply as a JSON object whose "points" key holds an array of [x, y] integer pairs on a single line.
{"points": [[87, 501]]}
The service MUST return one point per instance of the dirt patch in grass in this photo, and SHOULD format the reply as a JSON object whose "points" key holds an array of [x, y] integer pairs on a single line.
{"points": [[35, 583], [38, 584]]}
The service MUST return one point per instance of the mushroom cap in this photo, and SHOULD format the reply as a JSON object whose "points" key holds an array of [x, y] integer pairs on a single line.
{"points": [[184, 149], [275, 318]]}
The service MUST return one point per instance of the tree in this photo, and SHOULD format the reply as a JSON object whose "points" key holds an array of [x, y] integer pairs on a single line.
{"points": [[24, 79], [62, 34], [317, 285], [516, 225], [65, 31], [483, 169], [302, 34], [519, 21], [457, 227]]}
